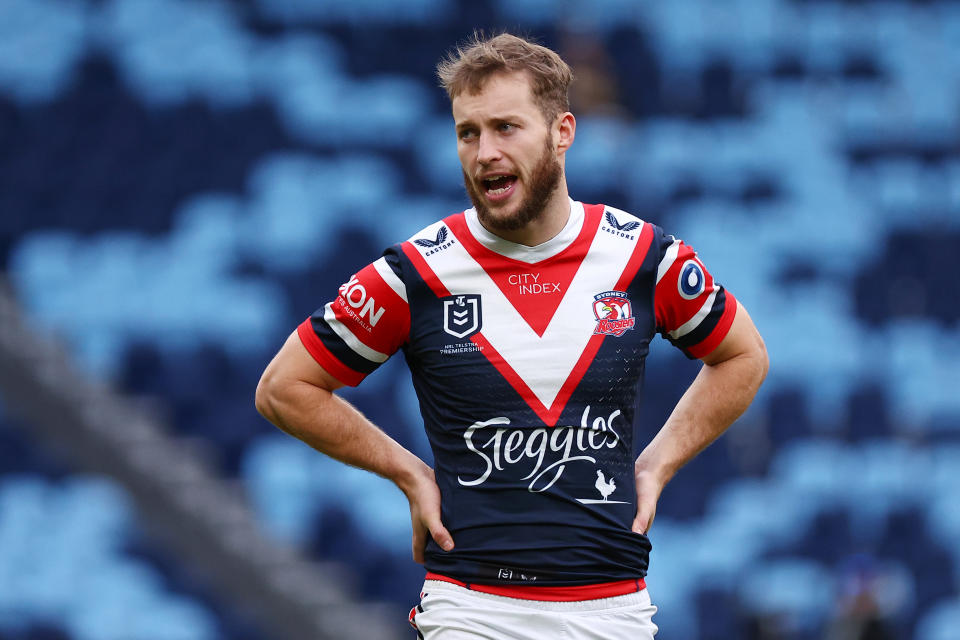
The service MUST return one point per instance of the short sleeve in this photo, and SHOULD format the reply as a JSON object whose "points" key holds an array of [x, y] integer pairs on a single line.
{"points": [[693, 311], [363, 326]]}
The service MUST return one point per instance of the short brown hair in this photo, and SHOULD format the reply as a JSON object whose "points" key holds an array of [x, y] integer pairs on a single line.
{"points": [[468, 66]]}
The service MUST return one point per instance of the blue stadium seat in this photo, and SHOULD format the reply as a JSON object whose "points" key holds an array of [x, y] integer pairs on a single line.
{"points": [[362, 12], [279, 65], [596, 161], [814, 466], [278, 473], [762, 509], [40, 42], [940, 623], [62, 562], [783, 587]]}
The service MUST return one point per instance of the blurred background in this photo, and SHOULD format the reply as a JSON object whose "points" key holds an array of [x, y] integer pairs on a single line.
{"points": [[183, 181]]}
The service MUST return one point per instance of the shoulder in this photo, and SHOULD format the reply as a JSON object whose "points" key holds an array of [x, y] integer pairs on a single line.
{"points": [[431, 239], [435, 233], [620, 222], [620, 219]]}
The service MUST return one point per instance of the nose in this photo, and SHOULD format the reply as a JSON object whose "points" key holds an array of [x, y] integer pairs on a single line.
{"points": [[487, 149]]}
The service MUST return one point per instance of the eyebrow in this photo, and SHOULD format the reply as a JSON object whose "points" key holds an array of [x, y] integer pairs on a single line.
{"points": [[494, 120]]}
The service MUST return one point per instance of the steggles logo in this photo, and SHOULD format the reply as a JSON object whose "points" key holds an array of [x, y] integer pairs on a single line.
{"points": [[510, 447]]}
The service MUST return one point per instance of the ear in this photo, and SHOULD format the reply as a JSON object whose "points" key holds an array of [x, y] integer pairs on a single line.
{"points": [[565, 130]]}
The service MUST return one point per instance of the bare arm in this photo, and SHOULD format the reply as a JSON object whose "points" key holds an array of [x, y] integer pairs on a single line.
{"points": [[296, 394], [720, 393]]}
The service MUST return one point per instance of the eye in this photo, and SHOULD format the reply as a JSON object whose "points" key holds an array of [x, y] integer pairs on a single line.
{"points": [[466, 134], [506, 127]]}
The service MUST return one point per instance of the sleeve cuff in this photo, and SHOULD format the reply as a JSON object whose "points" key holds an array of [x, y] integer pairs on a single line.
{"points": [[711, 342], [325, 359]]}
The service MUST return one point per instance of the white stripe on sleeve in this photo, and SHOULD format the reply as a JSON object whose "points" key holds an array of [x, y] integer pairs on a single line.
{"points": [[347, 336], [390, 278], [669, 257], [698, 317]]}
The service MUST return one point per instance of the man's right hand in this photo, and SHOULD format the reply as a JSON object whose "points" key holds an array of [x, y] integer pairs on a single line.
{"points": [[424, 497], [296, 394]]}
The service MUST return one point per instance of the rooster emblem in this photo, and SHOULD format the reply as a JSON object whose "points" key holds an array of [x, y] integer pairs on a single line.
{"points": [[604, 486]]}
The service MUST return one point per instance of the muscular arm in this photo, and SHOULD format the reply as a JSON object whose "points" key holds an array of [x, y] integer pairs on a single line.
{"points": [[720, 393], [296, 394]]}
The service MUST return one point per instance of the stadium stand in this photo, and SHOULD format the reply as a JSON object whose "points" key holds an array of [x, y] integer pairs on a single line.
{"points": [[182, 182]]}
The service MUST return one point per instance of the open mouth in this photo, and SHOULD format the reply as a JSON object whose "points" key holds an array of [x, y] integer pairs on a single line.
{"points": [[497, 187]]}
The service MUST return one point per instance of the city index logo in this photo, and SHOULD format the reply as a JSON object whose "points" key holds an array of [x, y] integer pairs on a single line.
{"points": [[355, 295]]}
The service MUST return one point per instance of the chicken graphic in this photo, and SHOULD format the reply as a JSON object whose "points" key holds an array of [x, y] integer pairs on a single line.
{"points": [[603, 486]]}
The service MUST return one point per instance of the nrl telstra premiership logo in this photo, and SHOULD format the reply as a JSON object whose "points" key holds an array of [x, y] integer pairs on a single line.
{"points": [[461, 315], [613, 313]]}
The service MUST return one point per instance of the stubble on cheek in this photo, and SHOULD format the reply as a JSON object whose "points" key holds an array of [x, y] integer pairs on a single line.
{"points": [[544, 180]]}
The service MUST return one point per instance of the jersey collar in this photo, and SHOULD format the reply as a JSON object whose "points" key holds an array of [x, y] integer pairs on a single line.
{"points": [[522, 252]]}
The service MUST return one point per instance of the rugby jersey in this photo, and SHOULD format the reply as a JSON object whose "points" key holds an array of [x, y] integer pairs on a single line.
{"points": [[527, 362]]}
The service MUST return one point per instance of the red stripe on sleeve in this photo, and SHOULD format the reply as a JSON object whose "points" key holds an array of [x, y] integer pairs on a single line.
{"points": [[673, 310], [711, 342], [324, 358], [373, 312]]}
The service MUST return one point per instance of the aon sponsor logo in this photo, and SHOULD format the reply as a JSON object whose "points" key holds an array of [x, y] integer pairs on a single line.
{"points": [[356, 297]]}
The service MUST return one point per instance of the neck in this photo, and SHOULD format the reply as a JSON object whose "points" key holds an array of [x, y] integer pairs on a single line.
{"points": [[548, 225]]}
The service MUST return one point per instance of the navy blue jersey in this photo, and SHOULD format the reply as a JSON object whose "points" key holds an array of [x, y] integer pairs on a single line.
{"points": [[527, 362]]}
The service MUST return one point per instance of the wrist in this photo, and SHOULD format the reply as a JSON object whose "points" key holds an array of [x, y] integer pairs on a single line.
{"points": [[653, 471], [410, 473]]}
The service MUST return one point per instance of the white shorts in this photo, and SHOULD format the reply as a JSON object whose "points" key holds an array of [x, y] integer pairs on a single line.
{"points": [[451, 612]]}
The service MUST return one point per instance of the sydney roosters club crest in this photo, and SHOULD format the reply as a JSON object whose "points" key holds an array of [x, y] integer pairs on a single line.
{"points": [[613, 312]]}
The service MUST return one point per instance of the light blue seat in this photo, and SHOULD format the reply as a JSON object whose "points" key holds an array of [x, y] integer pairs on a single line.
{"points": [[294, 60], [436, 152], [940, 622], [172, 51], [784, 587], [815, 466], [94, 514], [891, 468], [383, 111], [176, 619], [359, 12], [40, 41], [865, 113], [680, 31], [778, 514], [529, 12], [596, 160], [943, 519], [279, 474], [898, 185]]}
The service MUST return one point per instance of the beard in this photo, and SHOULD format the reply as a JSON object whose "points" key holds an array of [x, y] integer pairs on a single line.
{"points": [[544, 180]]}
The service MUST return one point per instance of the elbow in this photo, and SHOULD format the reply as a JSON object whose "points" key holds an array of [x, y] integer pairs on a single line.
{"points": [[265, 397], [762, 360]]}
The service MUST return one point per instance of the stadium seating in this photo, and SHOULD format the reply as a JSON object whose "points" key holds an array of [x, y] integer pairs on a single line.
{"points": [[181, 183], [74, 563]]}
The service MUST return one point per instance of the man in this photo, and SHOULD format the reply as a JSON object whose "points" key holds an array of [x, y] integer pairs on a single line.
{"points": [[525, 322]]}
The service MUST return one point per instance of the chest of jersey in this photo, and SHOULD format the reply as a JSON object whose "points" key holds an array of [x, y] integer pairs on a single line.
{"points": [[489, 330]]}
